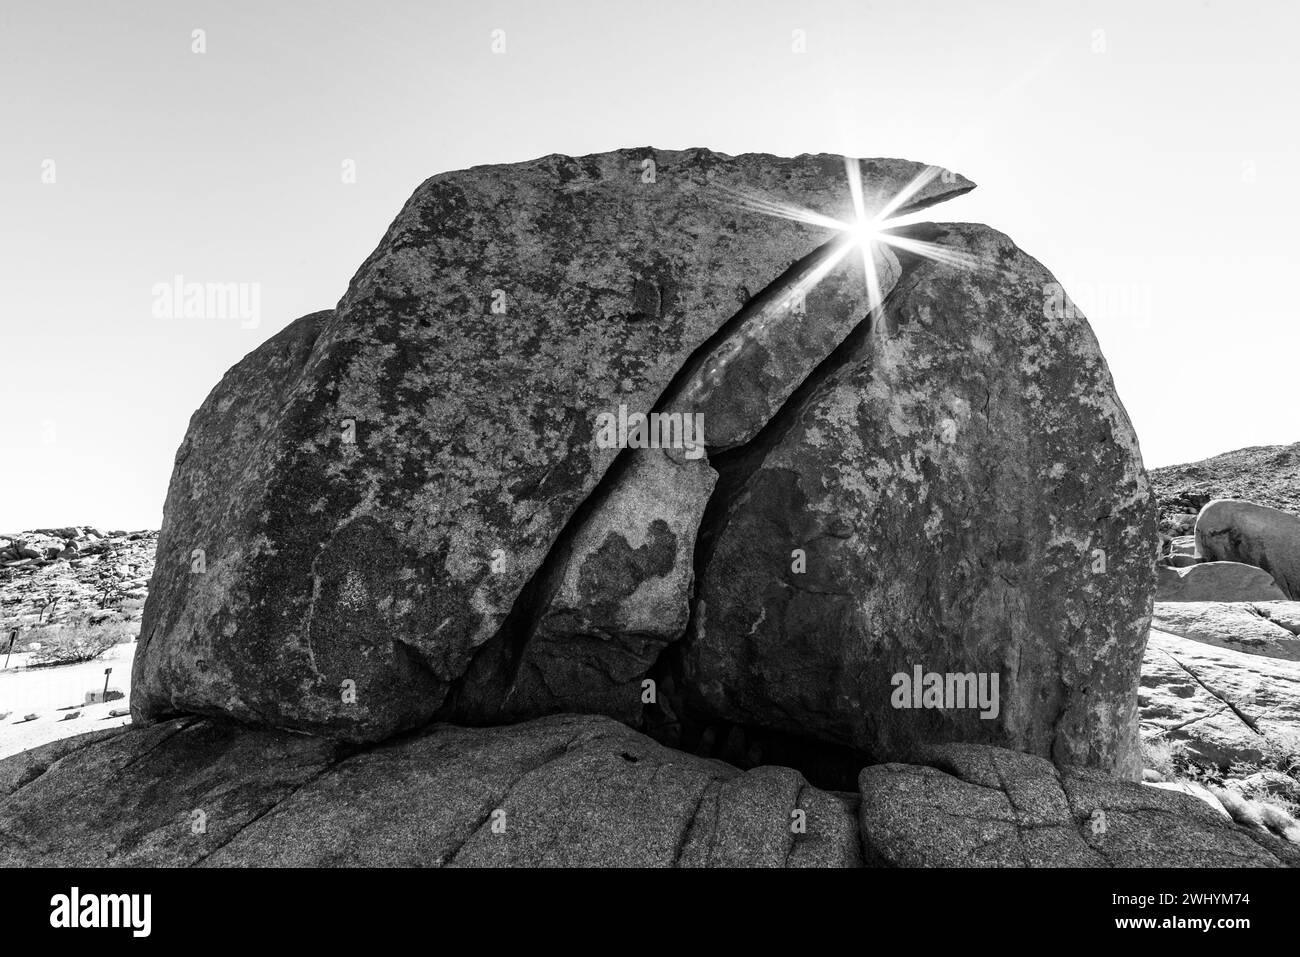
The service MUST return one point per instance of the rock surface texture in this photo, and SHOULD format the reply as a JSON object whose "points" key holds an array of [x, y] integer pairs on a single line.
{"points": [[958, 490], [1268, 628], [1221, 581], [1223, 705], [571, 791], [975, 806], [560, 791]]}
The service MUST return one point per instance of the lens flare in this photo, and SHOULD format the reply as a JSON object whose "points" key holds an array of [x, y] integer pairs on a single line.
{"points": [[868, 230]]}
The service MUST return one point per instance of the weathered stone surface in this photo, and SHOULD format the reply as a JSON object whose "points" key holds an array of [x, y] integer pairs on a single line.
{"points": [[1216, 581], [607, 609], [977, 806], [354, 483], [952, 483], [1198, 791], [1209, 697], [614, 599], [740, 380], [167, 795], [1242, 626], [566, 791], [1269, 538]]}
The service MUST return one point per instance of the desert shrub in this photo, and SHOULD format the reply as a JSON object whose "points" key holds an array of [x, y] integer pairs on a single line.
{"points": [[1161, 754], [79, 640]]}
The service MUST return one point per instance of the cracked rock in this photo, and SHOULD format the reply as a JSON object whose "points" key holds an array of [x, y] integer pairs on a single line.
{"points": [[977, 806], [1191, 706], [1267, 628], [560, 791], [938, 497], [358, 506]]}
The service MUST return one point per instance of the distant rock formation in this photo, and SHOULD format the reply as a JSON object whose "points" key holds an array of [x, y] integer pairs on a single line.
{"points": [[46, 574], [1266, 474]]}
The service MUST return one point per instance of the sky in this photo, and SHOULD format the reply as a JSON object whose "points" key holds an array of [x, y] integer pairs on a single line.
{"points": [[1144, 152]]}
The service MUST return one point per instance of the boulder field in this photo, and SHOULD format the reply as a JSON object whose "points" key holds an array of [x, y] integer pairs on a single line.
{"points": [[428, 547]]}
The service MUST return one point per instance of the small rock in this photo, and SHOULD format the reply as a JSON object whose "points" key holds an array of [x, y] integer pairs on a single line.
{"points": [[1216, 581], [98, 695], [70, 715], [119, 712]]}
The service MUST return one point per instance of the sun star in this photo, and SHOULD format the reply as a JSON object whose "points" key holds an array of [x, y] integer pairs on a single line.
{"points": [[865, 233]]}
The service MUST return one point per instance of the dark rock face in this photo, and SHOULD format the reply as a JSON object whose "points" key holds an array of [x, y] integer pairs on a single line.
{"points": [[965, 494], [361, 504], [1268, 538], [975, 806], [562, 791]]}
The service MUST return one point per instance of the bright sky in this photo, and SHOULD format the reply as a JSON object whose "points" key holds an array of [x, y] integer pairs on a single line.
{"points": [[1144, 152]]}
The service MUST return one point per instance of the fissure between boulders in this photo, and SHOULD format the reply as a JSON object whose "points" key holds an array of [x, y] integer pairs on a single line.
{"points": [[481, 695]]}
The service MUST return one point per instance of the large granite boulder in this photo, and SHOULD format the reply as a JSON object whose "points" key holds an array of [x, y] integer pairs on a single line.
{"points": [[958, 492], [363, 507], [1269, 538], [976, 806], [428, 504]]}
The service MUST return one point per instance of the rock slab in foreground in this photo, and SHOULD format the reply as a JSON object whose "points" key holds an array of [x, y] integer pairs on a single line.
{"points": [[569, 791], [565, 790], [1186, 687], [976, 806]]}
